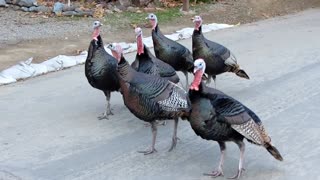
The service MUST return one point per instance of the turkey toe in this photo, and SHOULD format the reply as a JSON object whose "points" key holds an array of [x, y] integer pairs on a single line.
{"points": [[147, 152]]}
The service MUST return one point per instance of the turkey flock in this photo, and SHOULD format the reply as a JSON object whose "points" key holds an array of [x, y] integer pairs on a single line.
{"points": [[151, 89]]}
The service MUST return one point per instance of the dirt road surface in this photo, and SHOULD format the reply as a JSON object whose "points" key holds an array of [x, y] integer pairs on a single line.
{"points": [[49, 128]]}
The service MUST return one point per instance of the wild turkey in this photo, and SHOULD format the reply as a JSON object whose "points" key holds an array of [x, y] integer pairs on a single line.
{"points": [[217, 116], [101, 68], [151, 98], [146, 62], [169, 51], [218, 58]]}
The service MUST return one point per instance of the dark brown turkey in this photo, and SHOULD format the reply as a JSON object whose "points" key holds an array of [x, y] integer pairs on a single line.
{"points": [[218, 58], [101, 68], [169, 51], [146, 62], [151, 98], [219, 117]]}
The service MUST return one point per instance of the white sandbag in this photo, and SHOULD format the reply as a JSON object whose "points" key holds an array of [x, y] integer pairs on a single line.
{"points": [[68, 61], [81, 58], [214, 26], [39, 68], [59, 62], [20, 71], [185, 33], [6, 79], [53, 64]]}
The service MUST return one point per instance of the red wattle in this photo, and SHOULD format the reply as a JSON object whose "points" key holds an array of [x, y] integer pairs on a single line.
{"points": [[197, 80], [140, 45], [95, 33]]}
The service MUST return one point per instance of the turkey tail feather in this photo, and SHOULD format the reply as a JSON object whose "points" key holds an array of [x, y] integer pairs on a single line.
{"points": [[274, 152], [242, 73]]}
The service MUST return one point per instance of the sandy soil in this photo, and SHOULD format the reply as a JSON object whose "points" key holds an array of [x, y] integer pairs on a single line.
{"points": [[22, 37]]}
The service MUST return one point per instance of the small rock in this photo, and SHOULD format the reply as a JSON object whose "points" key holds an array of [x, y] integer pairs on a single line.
{"points": [[16, 8], [39, 9], [3, 3], [58, 7], [68, 8], [115, 9], [121, 7], [84, 13], [12, 1], [108, 11], [44, 9], [77, 10], [28, 3], [32, 9], [69, 13], [25, 9]]}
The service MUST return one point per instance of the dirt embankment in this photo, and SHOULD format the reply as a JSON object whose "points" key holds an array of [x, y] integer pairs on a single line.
{"points": [[22, 37]]}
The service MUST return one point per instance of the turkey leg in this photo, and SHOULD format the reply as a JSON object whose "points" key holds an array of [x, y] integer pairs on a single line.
{"points": [[154, 135], [162, 123], [219, 171], [174, 137], [108, 111], [241, 146]]}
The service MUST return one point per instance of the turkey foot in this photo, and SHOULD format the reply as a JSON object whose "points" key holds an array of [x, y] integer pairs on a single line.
{"points": [[154, 135], [215, 173], [152, 150], [238, 175], [173, 144], [105, 115]]}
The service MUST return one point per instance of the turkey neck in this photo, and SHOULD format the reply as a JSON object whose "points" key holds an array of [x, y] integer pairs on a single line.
{"points": [[140, 45], [198, 44], [145, 56], [96, 33], [197, 31], [157, 30], [124, 70]]}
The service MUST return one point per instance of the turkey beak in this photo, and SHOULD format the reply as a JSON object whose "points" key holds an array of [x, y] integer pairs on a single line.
{"points": [[195, 70], [101, 24], [192, 19], [205, 76]]}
